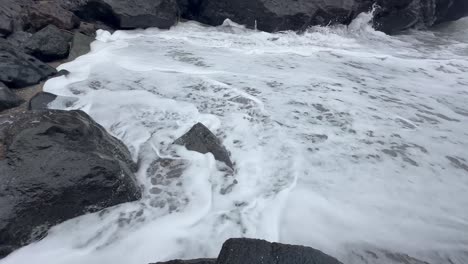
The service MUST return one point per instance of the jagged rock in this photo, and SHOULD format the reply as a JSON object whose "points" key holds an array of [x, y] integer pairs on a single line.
{"points": [[43, 13], [130, 14], [18, 69], [49, 44], [192, 261], [57, 165], [80, 45], [41, 100], [255, 251], [273, 15], [10, 16], [199, 138], [8, 99]]}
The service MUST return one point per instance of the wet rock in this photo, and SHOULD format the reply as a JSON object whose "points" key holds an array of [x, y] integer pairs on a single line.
{"points": [[130, 14], [57, 165], [193, 261], [18, 69], [199, 138], [8, 99], [43, 13], [80, 45], [10, 16], [272, 15], [49, 44], [254, 251], [41, 100]]}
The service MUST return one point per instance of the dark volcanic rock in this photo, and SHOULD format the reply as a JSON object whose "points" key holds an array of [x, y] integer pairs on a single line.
{"points": [[130, 14], [254, 251], [49, 44], [18, 39], [199, 138], [80, 45], [6, 26], [56, 165], [43, 13], [41, 100], [274, 15], [18, 69], [192, 261], [8, 99]]}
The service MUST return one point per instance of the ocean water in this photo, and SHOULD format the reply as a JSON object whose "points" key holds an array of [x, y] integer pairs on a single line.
{"points": [[343, 138]]}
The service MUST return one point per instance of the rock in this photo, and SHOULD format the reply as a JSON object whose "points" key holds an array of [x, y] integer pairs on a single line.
{"points": [[57, 165], [43, 13], [49, 44], [6, 26], [8, 99], [18, 69], [193, 261], [254, 251], [450, 10], [19, 38], [273, 15], [199, 138], [80, 45], [130, 14], [41, 100]]}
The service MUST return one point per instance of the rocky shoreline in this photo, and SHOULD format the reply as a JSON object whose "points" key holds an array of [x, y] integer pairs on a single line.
{"points": [[95, 170]]}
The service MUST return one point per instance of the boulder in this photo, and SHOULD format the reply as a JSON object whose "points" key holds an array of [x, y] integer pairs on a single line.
{"points": [[199, 138], [43, 13], [130, 14], [6, 26], [10, 16], [274, 15], [8, 99], [18, 69], [56, 165], [80, 45], [41, 100], [255, 251], [49, 44]]}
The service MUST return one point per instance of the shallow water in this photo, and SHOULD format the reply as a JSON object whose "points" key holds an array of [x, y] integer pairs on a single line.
{"points": [[344, 139]]}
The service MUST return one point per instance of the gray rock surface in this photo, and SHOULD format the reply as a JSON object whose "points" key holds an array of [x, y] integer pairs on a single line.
{"points": [[18, 69], [80, 45], [41, 100], [8, 99]]}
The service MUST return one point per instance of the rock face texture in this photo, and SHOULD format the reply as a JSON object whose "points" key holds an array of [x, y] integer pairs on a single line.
{"points": [[49, 44], [8, 99], [199, 138], [275, 15], [41, 100], [18, 69], [56, 165], [44, 13], [130, 14], [255, 251]]}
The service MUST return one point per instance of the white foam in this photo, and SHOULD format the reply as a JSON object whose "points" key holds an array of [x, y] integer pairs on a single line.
{"points": [[342, 138]]}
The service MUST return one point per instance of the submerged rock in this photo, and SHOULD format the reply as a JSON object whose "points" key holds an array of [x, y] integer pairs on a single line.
{"points": [[49, 44], [8, 99], [41, 100], [130, 14], [18, 69], [199, 138], [56, 165]]}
